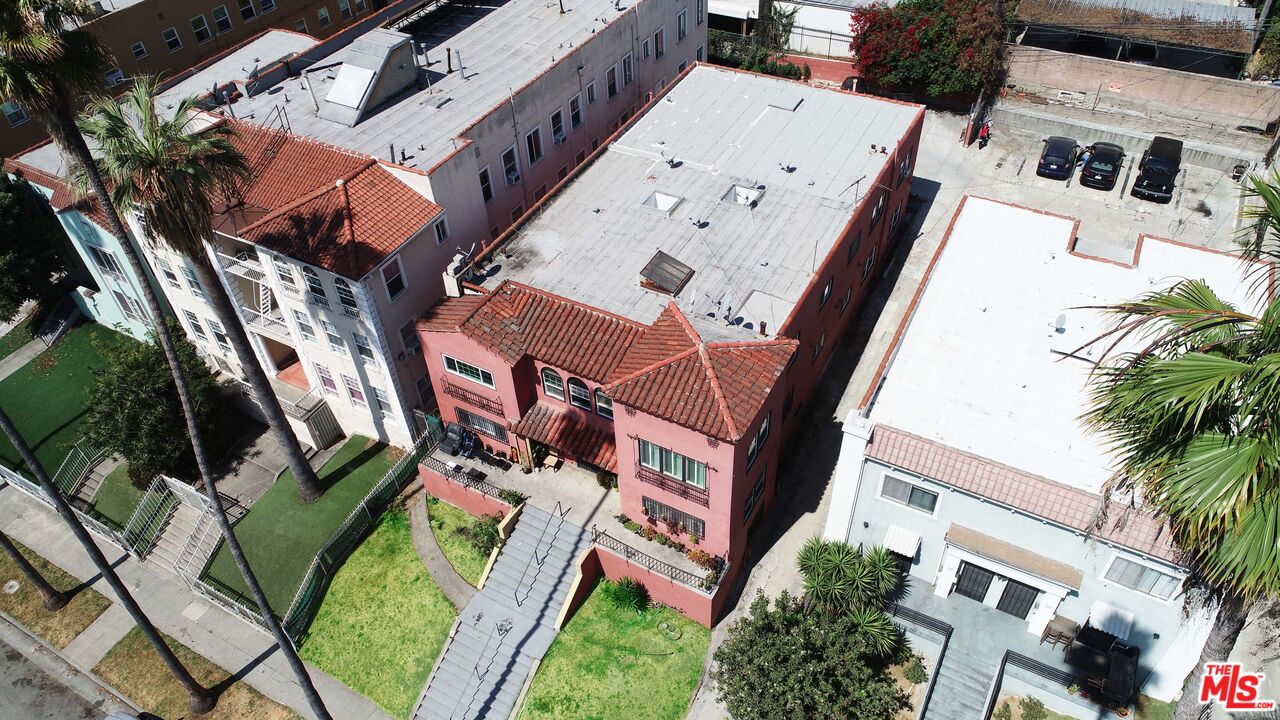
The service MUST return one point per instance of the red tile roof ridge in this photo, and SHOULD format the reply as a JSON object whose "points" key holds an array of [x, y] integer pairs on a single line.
{"points": [[308, 197], [749, 344], [654, 366], [560, 298], [725, 413], [684, 322], [239, 124]]}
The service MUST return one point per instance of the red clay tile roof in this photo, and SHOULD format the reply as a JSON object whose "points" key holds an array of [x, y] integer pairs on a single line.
{"points": [[570, 435], [449, 314], [1039, 496], [65, 197], [714, 388], [285, 167]]}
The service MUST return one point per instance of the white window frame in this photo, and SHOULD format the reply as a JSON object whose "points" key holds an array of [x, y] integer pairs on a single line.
{"points": [[1106, 577], [361, 6], [220, 336], [659, 43], [115, 77], [682, 25], [756, 447], [323, 16], [603, 409], [247, 5], [753, 500], [105, 261], [139, 50], [611, 82], [284, 273], [410, 340], [582, 402], [355, 393], [218, 22], [531, 139], [591, 93], [562, 395], [386, 283], [131, 308], [511, 176], [899, 503], [700, 54], [300, 25], [336, 343], [168, 41], [267, 6], [194, 325], [193, 282], [362, 346], [306, 326], [557, 137], [628, 70], [668, 463], [486, 184], [826, 292], [170, 277], [346, 297], [383, 401], [344, 9], [457, 369], [315, 286], [870, 263], [699, 11], [197, 27], [328, 385], [575, 112], [644, 49], [13, 110], [441, 229]]}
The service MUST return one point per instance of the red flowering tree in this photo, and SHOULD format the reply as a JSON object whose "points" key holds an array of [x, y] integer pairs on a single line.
{"points": [[938, 46]]}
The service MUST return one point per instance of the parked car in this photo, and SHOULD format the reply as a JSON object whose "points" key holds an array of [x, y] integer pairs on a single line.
{"points": [[1158, 170], [1103, 166], [1058, 159]]}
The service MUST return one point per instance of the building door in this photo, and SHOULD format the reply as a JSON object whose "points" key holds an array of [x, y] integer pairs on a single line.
{"points": [[973, 581], [1017, 599]]}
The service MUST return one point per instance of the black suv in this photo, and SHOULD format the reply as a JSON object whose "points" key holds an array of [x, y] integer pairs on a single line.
{"points": [[1158, 169], [1058, 159], [1103, 166]]}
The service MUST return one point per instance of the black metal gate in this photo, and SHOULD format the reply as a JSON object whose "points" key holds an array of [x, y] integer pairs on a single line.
{"points": [[973, 581], [1017, 599]]}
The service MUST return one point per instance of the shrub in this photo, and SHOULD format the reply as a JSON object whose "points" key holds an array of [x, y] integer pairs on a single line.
{"points": [[483, 533], [1004, 712], [703, 558], [1033, 709], [632, 525], [512, 497], [709, 581], [915, 672], [693, 538], [626, 594], [607, 480], [648, 532]]}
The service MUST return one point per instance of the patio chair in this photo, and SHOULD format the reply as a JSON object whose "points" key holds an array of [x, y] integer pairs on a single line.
{"points": [[468, 447], [452, 439]]}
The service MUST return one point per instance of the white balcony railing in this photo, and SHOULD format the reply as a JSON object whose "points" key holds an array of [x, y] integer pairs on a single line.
{"points": [[273, 325], [245, 265]]}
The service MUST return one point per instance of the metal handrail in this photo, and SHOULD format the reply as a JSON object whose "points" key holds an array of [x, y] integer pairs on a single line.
{"points": [[75, 466], [143, 528], [675, 487], [501, 629], [936, 625], [194, 540], [483, 486], [471, 397], [609, 542], [556, 513]]}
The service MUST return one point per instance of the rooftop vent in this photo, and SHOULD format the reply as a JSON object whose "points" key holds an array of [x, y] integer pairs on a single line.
{"points": [[742, 195], [662, 202], [665, 274]]}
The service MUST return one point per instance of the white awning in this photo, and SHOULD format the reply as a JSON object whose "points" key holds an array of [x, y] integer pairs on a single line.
{"points": [[902, 541], [1109, 618]]}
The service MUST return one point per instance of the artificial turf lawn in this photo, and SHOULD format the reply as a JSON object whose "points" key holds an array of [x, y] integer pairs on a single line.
{"points": [[612, 663], [27, 607], [1152, 709], [47, 398], [117, 498], [461, 554], [281, 535], [17, 336], [383, 621], [134, 668]]}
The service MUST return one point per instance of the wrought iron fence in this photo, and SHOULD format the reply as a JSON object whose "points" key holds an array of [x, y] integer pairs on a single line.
{"points": [[704, 584], [462, 478], [472, 398]]}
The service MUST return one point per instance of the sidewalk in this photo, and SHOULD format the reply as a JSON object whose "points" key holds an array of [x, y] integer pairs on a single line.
{"points": [[23, 355], [207, 629]]}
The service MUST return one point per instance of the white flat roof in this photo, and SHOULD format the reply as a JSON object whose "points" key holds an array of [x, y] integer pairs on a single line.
{"points": [[976, 369], [240, 64], [805, 150]]}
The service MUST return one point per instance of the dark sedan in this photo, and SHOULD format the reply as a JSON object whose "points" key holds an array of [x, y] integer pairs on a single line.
{"points": [[1058, 159], [1103, 166]]}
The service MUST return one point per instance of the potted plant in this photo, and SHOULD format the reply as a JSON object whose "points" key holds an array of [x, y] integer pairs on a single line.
{"points": [[1073, 688]]}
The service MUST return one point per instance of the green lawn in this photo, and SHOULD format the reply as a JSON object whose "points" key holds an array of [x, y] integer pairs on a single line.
{"points": [[383, 621], [281, 535], [465, 558], [117, 497], [17, 336], [27, 607], [1152, 709], [610, 663], [47, 397]]}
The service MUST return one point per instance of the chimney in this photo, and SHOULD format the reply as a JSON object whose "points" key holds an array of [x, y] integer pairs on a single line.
{"points": [[448, 56], [762, 329]]}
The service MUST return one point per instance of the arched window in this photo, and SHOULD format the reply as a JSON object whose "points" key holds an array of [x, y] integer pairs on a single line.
{"points": [[315, 287], [347, 297], [579, 394], [552, 385], [604, 406]]}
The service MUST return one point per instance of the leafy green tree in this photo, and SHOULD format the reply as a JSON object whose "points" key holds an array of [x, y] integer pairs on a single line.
{"points": [[938, 46], [842, 580], [134, 409], [780, 662], [30, 237], [1268, 61]]}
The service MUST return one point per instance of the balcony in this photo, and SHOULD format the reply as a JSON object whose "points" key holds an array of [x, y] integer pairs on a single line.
{"points": [[472, 398], [245, 265], [295, 401], [673, 486], [270, 324]]}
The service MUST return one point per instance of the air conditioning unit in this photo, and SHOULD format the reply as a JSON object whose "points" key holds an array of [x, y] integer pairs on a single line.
{"points": [[558, 138], [513, 177]]}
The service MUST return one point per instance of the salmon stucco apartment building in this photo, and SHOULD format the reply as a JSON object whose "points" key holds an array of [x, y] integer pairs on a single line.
{"points": [[665, 313], [380, 140]]}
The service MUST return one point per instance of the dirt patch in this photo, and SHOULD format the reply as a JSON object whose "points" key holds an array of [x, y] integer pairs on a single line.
{"points": [[1184, 30], [914, 691]]}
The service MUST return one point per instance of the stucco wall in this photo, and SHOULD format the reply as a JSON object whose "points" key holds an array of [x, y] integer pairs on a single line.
{"points": [[104, 307], [461, 496]]}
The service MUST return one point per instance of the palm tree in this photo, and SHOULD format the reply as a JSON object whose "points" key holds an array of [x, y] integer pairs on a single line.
{"points": [[842, 580], [54, 599], [199, 698], [169, 172], [47, 68]]}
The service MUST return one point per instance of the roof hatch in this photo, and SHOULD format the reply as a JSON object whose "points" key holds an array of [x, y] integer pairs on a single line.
{"points": [[665, 274]]}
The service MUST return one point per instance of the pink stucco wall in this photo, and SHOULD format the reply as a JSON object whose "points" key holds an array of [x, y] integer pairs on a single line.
{"points": [[435, 345], [459, 495]]}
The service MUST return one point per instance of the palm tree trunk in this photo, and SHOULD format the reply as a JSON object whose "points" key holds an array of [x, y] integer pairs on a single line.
{"points": [[1222, 638], [199, 699], [54, 599], [303, 474]]}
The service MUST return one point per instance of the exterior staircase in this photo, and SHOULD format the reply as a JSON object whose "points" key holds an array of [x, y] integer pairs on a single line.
{"points": [[182, 523], [961, 687], [508, 626], [93, 481]]}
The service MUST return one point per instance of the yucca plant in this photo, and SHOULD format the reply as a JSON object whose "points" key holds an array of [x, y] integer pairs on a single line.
{"points": [[626, 594]]}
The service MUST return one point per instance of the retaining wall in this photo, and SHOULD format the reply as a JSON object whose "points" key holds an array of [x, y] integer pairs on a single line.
{"points": [[459, 495]]}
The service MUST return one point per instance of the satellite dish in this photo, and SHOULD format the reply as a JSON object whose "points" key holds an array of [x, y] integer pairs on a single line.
{"points": [[1060, 323]]}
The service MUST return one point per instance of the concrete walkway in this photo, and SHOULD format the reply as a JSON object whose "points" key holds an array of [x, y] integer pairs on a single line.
{"points": [[20, 357], [89, 647], [458, 591], [207, 629]]}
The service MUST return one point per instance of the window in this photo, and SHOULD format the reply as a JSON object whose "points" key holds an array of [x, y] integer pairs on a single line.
{"points": [[326, 380], [393, 278], [132, 308], [246, 10], [442, 231], [115, 77], [878, 211], [105, 261], [363, 347], [683, 64], [344, 9], [557, 127], [591, 92], [893, 219], [533, 144], [383, 402], [659, 44], [604, 406], [170, 278], [580, 158], [844, 301], [200, 28], [905, 169], [285, 273], [171, 39], [1142, 578], [335, 340], [644, 49], [611, 82], [595, 144], [537, 194], [482, 425], [511, 165], [672, 516], [563, 172], [354, 393], [486, 185], [196, 328], [13, 113], [753, 499], [193, 282], [220, 336], [315, 287], [268, 6], [870, 263], [425, 393], [682, 25], [817, 349], [699, 54], [139, 50], [699, 11], [221, 20], [469, 371], [673, 464], [909, 494], [347, 297], [854, 247], [826, 293], [757, 443], [361, 6], [575, 112], [300, 25], [628, 70], [516, 212], [409, 337], [552, 385], [323, 15], [305, 327], [579, 394]]}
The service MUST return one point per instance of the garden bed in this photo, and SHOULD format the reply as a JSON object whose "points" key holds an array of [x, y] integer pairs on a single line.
{"points": [[446, 521], [27, 607], [912, 685]]}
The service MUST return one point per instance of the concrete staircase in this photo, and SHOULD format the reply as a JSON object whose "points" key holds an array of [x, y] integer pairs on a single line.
{"points": [[183, 521], [960, 690], [93, 480], [509, 624]]}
